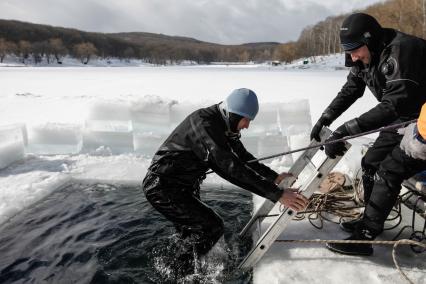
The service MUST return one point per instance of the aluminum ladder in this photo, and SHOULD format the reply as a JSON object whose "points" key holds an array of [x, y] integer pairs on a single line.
{"points": [[311, 168]]}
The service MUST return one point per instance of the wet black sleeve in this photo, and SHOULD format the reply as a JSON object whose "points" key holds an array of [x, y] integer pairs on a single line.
{"points": [[238, 147], [402, 90], [212, 147], [352, 90]]}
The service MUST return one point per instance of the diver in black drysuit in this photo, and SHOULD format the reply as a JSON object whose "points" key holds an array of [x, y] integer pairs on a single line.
{"points": [[209, 139]]}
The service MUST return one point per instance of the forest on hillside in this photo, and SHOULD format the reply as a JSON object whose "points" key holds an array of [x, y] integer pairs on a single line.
{"points": [[36, 43]]}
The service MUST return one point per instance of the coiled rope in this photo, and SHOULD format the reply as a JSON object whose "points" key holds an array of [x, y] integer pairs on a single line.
{"points": [[335, 202]]}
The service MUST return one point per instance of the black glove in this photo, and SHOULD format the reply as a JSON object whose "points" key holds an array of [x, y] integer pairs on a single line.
{"points": [[324, 120], [338, 148]]}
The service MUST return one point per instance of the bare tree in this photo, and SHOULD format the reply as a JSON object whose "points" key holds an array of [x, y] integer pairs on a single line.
{"points": [[244, 56], [58, 49], [286, 52], [5, 48], [129, 53], [24, 49], [39, 49], [85, 51]]}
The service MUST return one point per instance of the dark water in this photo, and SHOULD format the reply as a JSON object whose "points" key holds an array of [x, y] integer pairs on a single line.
{"points": [[106, 234]]}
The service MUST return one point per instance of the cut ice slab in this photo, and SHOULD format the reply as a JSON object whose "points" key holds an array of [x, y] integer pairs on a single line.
{"points": [[147, 143], [123, 126], [151, 111], [178, 112], [55, 138], [267, 120], [117, 142], [295, 117], [152, 117], [158, 128], [11, 144], [109, 111], [273, 144]]}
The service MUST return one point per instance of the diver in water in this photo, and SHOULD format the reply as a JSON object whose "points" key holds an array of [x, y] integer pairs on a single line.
{"points": [[209, 138]]}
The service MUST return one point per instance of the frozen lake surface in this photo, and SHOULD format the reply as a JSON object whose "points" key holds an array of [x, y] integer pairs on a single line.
{"points": [[195, 85]]}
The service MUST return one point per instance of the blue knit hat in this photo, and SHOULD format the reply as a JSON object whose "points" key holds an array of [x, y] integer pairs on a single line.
{"points": [[243, 102]]}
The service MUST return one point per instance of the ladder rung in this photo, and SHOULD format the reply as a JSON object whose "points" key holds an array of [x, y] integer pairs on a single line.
{"points": [[295, 169], [321, 169]]}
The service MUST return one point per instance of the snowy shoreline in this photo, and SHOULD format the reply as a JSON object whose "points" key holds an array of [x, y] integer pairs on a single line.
{"points": [[326, 62]]}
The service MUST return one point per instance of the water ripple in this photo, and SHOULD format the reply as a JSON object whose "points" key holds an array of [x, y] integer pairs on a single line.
{"points": [[108, 234]]}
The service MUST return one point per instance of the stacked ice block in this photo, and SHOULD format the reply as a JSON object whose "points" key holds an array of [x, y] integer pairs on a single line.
{"points": [[12, 139]]}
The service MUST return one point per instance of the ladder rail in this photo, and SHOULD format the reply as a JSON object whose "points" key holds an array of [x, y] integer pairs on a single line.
{"points": [[295, 170], [281, 222], [266, 240]]}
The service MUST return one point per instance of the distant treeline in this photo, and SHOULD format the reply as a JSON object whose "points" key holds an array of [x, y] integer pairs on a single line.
{"points": [[52, 44], [42, 42]]}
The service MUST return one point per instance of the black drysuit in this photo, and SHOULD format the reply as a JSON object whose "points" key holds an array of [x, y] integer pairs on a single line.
{"points": [[173, 180], [393, 170], [397, 78]]}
